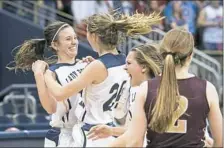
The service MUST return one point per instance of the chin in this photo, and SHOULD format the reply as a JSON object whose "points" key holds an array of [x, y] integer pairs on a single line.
{"points": [[72, 55]]}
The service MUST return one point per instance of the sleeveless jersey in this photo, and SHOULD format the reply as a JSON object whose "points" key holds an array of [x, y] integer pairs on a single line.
{"points": [[65, 112], [101, 99], [189, 129]]}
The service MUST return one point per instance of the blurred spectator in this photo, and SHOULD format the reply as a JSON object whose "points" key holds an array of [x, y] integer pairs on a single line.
{"points": [[189, 13], [65, 6], [201, 3], [140, 6], [155, 7], [177, 17], [103, 6], [127, 7], [12, 129], [211, 19], [47, 10], [83, 9]]}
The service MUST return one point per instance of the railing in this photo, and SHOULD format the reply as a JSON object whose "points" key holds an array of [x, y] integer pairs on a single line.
{"points": [[16, 92], [35, 11], [202, 65]]}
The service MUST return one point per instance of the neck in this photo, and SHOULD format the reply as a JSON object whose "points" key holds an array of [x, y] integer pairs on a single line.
{"points": [[68, 60], [182, 72], [142, 79], [103, 52]]}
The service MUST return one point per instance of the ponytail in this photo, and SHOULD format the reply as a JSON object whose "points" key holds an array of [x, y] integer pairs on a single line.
{"points": [[163, 110], [27, 53]]}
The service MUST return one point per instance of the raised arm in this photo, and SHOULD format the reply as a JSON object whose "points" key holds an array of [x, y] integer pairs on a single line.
{"points": [[214, 116], [95, 72], [134, 137], [47, 100]]}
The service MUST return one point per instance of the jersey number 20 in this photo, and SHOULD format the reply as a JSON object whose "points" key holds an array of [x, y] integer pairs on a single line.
{"points": [[116, 92]]}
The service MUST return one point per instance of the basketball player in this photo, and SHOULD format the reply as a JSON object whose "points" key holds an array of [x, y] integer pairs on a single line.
{"points": [[173, 107], [143, 62], [61, 39], [104, 79]]}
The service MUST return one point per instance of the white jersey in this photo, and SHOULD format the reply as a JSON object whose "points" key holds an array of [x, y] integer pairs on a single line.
{"points": [[65, 111], [100, 99], [132, 96]]}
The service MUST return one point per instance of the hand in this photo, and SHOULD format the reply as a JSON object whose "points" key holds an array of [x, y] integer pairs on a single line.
{"points": [[208, 141], [99, 131], [39, 67], [88, 59]]}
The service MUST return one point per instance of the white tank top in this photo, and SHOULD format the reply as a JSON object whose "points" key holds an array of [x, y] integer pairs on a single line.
{"points": [[133, 92], [65, 112]]}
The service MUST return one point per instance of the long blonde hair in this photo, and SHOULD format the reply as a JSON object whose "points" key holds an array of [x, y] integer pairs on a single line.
{"points": [[111, 30], [176, 46]]}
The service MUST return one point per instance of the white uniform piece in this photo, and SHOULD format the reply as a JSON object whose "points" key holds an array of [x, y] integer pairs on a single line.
{"points": [[128, 109], [100, 99], [64, 118]]}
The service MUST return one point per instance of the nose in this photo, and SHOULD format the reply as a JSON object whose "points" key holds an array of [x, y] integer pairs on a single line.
{"points": [[125, 67], [74, 41]]}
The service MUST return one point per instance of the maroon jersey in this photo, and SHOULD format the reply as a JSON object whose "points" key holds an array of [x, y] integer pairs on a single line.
{"points": [[188, 131]]}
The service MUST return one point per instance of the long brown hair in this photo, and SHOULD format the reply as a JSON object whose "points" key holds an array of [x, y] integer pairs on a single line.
{"points": [[150, 57], [111, 30], [34, 49], [176, 46]]}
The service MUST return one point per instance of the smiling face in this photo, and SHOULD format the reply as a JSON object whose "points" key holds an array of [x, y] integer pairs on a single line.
{"points": [[135, 70], [67, 43]]}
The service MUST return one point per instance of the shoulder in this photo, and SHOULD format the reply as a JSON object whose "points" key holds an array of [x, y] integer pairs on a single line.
{"points": [[210, 87], [110, 60], [211, 93], [95, 66]]}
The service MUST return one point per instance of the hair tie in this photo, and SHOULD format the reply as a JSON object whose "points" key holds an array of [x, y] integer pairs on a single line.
{"points": [[175, 56]]}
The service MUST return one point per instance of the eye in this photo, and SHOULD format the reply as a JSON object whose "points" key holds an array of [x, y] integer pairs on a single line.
{"points": [[68, 38]]}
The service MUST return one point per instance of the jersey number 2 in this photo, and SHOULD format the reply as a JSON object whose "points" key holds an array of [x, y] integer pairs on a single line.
{"points": [[116, 92], [181, 126]]}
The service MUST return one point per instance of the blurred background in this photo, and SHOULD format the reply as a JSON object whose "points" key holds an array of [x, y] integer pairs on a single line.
{"points": [[23, 122]]}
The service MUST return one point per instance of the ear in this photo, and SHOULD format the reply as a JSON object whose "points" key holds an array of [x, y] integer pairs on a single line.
{"points": [[144, 69], [54, 45], [190, 56]]}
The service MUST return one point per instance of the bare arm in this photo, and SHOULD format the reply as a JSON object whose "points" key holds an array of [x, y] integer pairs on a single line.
{"points": [[134, 137], [47, 101], [214, 116], [93, 73]]}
